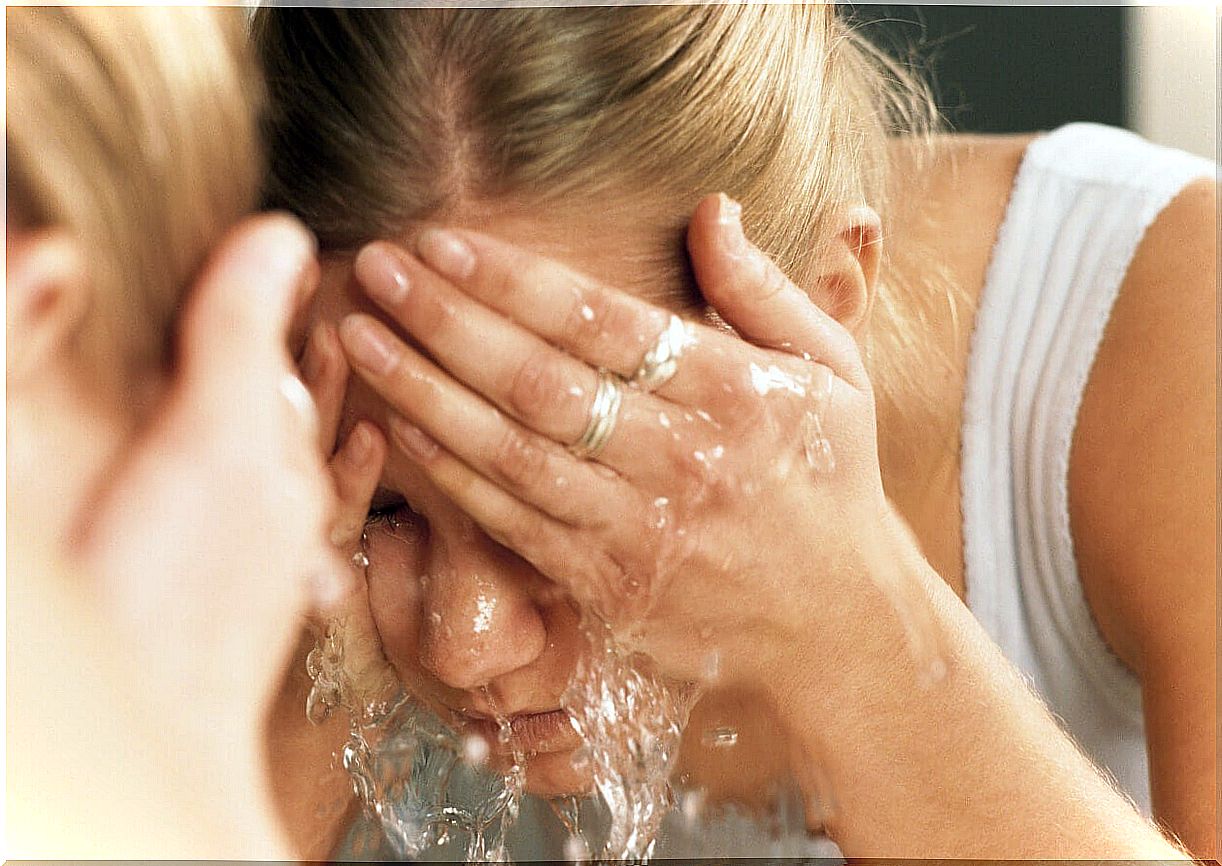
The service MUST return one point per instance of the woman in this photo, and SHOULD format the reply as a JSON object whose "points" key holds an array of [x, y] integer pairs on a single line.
{"points": [[134, 412], [537, 170]]}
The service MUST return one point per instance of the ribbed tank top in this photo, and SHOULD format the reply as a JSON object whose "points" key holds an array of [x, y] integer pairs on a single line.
{"points": [[1081, 202]]}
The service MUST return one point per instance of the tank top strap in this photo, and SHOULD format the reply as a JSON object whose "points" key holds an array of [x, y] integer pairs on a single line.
{"points": [[1083, 198]]}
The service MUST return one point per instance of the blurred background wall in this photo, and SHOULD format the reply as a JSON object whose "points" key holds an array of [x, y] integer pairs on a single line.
{"points": [[1153, 69]]}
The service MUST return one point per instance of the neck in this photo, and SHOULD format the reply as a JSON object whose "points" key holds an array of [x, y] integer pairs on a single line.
{"points": [[60, 440]]}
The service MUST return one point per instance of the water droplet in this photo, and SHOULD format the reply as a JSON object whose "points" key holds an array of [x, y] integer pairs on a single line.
{"points": [[474, 750], [360, 559], [575, 850], [816, 445], [691, 805], [504, 732], [580, 761], [661, 516], [720, 737]]}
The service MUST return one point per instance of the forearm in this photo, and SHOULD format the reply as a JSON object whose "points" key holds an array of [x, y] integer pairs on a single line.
{"points": [[972, 766]]}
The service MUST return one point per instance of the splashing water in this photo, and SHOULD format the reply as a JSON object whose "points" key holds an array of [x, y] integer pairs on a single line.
{"points": [[631, 723], [400, 759]]}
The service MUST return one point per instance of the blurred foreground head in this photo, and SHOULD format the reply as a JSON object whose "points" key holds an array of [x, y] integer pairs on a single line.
{"points": [[132, 145], [132, 142]]}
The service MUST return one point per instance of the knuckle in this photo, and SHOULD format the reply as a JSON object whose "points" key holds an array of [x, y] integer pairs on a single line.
{"points": [[538, 389], [605, 577], [431, 314], [520, 461], [772, 282]]}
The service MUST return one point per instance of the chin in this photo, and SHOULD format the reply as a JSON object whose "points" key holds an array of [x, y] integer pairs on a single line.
{"points": [[551, 774]]}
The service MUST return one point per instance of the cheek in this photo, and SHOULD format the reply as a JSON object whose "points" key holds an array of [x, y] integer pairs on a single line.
{"points": [[396, 596]]}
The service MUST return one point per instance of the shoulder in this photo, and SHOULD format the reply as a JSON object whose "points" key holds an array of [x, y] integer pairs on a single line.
{"points": [[1143, 502], [1142, 469]]}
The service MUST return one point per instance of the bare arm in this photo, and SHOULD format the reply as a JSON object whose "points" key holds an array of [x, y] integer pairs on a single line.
{"points": [[1143, 501]]}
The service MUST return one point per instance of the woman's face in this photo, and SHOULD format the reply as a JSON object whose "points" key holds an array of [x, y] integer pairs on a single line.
{"points": [[472, 629]]}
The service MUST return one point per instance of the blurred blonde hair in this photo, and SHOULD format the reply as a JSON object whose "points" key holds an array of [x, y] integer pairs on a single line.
{"points": [[136, 130], [379, 118]]}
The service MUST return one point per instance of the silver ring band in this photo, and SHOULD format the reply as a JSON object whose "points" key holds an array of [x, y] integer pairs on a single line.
{"points": [[604, 412], [662, 360]]}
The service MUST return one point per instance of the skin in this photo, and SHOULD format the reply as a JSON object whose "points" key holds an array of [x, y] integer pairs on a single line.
{"points": [[112, 627], [899, 522]]}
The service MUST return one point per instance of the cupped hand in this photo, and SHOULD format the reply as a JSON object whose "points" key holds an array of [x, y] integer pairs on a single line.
{"points": [[210, 539], [736, 507]]}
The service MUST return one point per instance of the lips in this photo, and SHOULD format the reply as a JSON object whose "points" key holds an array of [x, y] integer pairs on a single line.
{"points": [[531, 732]]}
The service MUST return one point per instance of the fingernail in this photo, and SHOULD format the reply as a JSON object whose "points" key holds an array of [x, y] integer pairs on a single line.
{"points": [[369, 345], [359, 445], [383, 274], [413, 440], [449, 255], [729, 217]]}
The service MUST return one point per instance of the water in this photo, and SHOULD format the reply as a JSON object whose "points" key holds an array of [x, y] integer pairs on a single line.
{"points": [[401, 759], [631, 723]]}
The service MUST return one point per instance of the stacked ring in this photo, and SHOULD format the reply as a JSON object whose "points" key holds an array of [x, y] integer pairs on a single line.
{"points": [[604, 412]]}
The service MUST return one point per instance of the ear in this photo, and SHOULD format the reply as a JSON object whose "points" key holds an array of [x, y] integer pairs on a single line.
{"points": [[45, 300], [846, 281]]}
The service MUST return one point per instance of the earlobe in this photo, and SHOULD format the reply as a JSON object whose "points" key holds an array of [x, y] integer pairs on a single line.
{"points": [[848, 280], [46, 297]]}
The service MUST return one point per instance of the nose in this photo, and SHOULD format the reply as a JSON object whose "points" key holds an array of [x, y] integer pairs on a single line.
{"points": [[480, 619]]}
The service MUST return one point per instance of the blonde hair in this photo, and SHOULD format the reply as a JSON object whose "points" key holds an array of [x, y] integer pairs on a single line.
{"points": [[380, 118], [136, 130]]}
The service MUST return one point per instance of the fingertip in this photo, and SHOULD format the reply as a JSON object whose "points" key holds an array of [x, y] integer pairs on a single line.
{"points": [[364, 446], [717, 246]]}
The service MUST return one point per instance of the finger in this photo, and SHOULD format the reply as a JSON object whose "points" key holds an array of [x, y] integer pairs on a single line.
{"points": [[540, 385], [756, 298], [524, 463], [356, 468], [238, 317], [555, 549], [324, 369], [602, 326]]}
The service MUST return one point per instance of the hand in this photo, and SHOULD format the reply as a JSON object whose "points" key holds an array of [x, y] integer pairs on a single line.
{"points": [[209, 541], [701, 521], [365, 676]]}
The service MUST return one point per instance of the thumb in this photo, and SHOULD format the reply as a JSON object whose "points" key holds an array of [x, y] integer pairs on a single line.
{"points": [[237, 316], [757, 299]]}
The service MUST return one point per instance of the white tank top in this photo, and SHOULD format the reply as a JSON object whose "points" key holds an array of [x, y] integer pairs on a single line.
{"points": [[1083, 197]]}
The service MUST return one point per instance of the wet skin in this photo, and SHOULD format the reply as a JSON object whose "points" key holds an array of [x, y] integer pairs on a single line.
{"points": [[471, 629], [469, 626]]}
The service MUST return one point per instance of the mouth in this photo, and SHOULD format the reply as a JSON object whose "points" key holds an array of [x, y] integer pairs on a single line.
{"points": [[533, 733]]}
